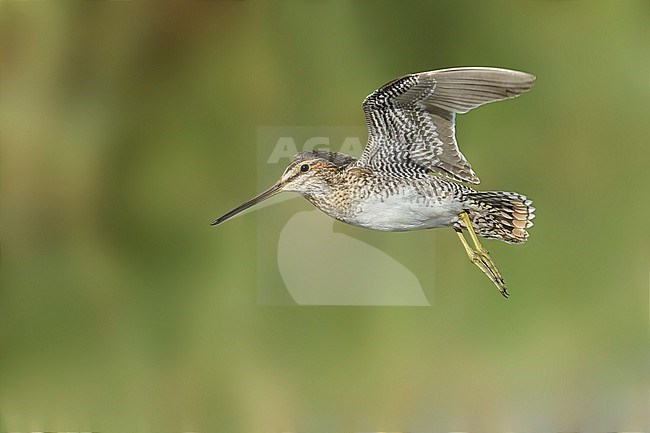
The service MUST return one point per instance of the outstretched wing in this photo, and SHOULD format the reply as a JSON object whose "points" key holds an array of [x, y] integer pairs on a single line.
{"points": [[411, 120]]}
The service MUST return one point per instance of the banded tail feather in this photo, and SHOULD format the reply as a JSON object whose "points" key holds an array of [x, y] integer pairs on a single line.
{"points": [[505, 216]]}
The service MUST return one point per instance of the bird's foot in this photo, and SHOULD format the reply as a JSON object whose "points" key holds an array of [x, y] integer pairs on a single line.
{"points": [[481, 258]]}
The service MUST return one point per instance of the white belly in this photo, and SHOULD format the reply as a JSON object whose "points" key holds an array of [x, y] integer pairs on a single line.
{"points": [[408, 210]]}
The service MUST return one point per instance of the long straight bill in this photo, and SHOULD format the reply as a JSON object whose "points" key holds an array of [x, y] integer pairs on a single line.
{"points": [[263, 196]]}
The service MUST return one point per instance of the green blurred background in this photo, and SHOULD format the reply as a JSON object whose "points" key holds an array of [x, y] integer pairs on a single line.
{"points": [[127, 127]]}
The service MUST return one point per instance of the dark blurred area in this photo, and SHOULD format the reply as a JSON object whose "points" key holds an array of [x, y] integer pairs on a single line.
{"points": [[126, 127]]}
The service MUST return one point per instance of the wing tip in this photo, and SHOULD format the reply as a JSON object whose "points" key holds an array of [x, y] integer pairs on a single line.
{"points": [[489, 73]]}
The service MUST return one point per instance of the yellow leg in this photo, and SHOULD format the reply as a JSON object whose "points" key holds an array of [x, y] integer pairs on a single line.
{"points": [[472, 234], [480, 256]]}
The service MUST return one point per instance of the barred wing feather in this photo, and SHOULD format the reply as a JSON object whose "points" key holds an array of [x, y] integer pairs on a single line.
{"points": [[411, 120]]}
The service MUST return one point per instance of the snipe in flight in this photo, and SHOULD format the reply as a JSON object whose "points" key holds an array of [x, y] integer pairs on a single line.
{"points": [[408, 175]]}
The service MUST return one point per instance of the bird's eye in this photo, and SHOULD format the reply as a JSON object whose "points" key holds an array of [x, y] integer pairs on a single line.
{"points": [[304, 167]]}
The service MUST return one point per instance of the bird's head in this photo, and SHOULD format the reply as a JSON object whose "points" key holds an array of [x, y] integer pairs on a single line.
{"points": [[310, 173]]}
